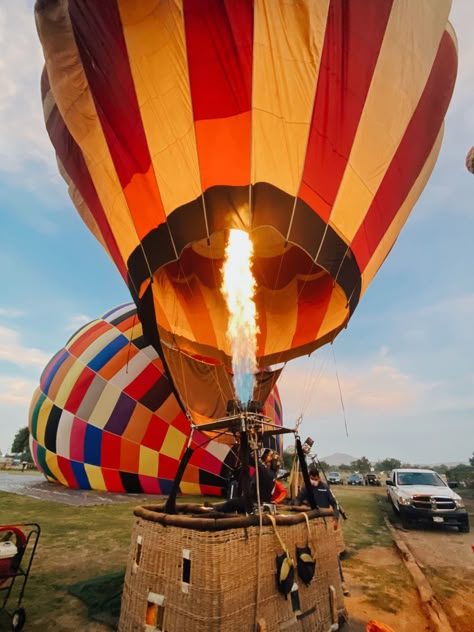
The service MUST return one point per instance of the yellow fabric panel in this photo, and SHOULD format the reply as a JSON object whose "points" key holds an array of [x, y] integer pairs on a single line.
{"points": [[148, 464], [166, 300], [99, 343], [43, 415], [395, 227], [105, 405], [72, 95], [68, 383], [336, 314], [288, 40], [280, 324], [155, 39], [408, 50], [95, 476], [63, 436], [52, 463], [190, 488], [173, 445]]}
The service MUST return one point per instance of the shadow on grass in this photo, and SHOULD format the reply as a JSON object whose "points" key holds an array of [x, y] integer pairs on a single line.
{"points": [[102, 596]]}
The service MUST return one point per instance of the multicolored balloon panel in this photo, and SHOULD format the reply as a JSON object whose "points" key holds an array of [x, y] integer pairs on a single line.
{"points": [[312, 125], [105, 417]]}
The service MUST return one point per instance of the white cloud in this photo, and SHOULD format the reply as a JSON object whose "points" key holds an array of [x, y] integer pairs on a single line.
{"points": [[371, 389], [16, 391], [13, 351], [23, 139]]}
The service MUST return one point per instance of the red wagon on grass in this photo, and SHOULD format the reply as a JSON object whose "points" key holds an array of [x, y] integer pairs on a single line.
{"points": [[18, 544]]}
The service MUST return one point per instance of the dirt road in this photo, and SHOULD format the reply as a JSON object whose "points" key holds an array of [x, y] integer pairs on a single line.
{"points": [[447, 560]]}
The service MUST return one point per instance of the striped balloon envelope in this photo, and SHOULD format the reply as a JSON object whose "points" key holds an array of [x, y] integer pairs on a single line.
{"points": [[313, 125], [105, 417]]}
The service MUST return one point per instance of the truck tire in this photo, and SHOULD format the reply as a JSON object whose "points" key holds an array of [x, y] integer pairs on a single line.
{"points": [[464, 528]]}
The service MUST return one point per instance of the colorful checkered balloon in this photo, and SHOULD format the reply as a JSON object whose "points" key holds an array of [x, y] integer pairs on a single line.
{"points": [[105, 417]]}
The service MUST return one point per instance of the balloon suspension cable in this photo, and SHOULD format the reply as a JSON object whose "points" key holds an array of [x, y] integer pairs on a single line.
{"points": [[340, 391]]}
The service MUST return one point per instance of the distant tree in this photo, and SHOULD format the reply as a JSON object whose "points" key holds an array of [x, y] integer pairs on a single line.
{"points": [[361, 465], [344, 467], [387, 465], [471, 460], [461, 473], [441, 469], [21, 444], [322, 465], [287, 459]]}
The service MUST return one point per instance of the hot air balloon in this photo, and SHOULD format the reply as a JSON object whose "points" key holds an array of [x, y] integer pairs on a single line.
{"points": [[470, 160], [312, 128], [174, 122], [105, 417]]}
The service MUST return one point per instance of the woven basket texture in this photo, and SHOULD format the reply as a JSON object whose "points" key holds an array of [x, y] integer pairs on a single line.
{"points": [[226, 569]]}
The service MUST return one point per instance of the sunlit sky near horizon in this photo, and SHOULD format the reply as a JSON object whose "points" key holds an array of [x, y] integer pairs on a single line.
{"points": [[404, 363]]}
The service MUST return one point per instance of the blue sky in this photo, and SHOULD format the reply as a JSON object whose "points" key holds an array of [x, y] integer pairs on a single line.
{"points": [[405, 362]]}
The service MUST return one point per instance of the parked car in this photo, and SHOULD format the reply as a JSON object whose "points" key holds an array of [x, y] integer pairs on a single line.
{"points": [[334, 478], [372, 479], [355, 479], [423, 496]]}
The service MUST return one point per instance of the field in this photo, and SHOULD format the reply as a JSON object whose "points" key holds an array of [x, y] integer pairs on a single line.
{"points": [[79, 543]]}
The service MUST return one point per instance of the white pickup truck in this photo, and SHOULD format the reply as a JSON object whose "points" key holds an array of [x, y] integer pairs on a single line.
{"points": [[423, 496]]}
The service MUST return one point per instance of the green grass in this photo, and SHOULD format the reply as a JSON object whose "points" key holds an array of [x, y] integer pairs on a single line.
{"points": [[365, 510], [81, 543]]}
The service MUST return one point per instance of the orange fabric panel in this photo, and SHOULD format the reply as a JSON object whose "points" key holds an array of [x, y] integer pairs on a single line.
{"points": [[138, 424], [118, 361], [144, 202], [224, 150]]}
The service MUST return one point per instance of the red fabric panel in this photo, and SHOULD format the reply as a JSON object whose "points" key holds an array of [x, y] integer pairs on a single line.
{"points": [[110, 451], [143, 382], [206, 461], [112, 480], [167, 467], [76, 445], [219, 41], [66, 470], [155, 434], [313, 301], [181, 422], [149, 484], [101, 44], [79, 390], [70, 155], [411, 155], [210, 490], [347, 64]]}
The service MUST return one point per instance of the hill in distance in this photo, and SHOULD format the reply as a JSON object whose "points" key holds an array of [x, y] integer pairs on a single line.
{"points": [[338, 458]]}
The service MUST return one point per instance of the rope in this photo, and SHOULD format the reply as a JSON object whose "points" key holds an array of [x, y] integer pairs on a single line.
{"points": [[340, 391], [310, 537], [259, 544]]}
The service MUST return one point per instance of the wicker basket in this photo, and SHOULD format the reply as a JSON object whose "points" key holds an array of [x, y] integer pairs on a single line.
{"points": [[196, 573]]}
